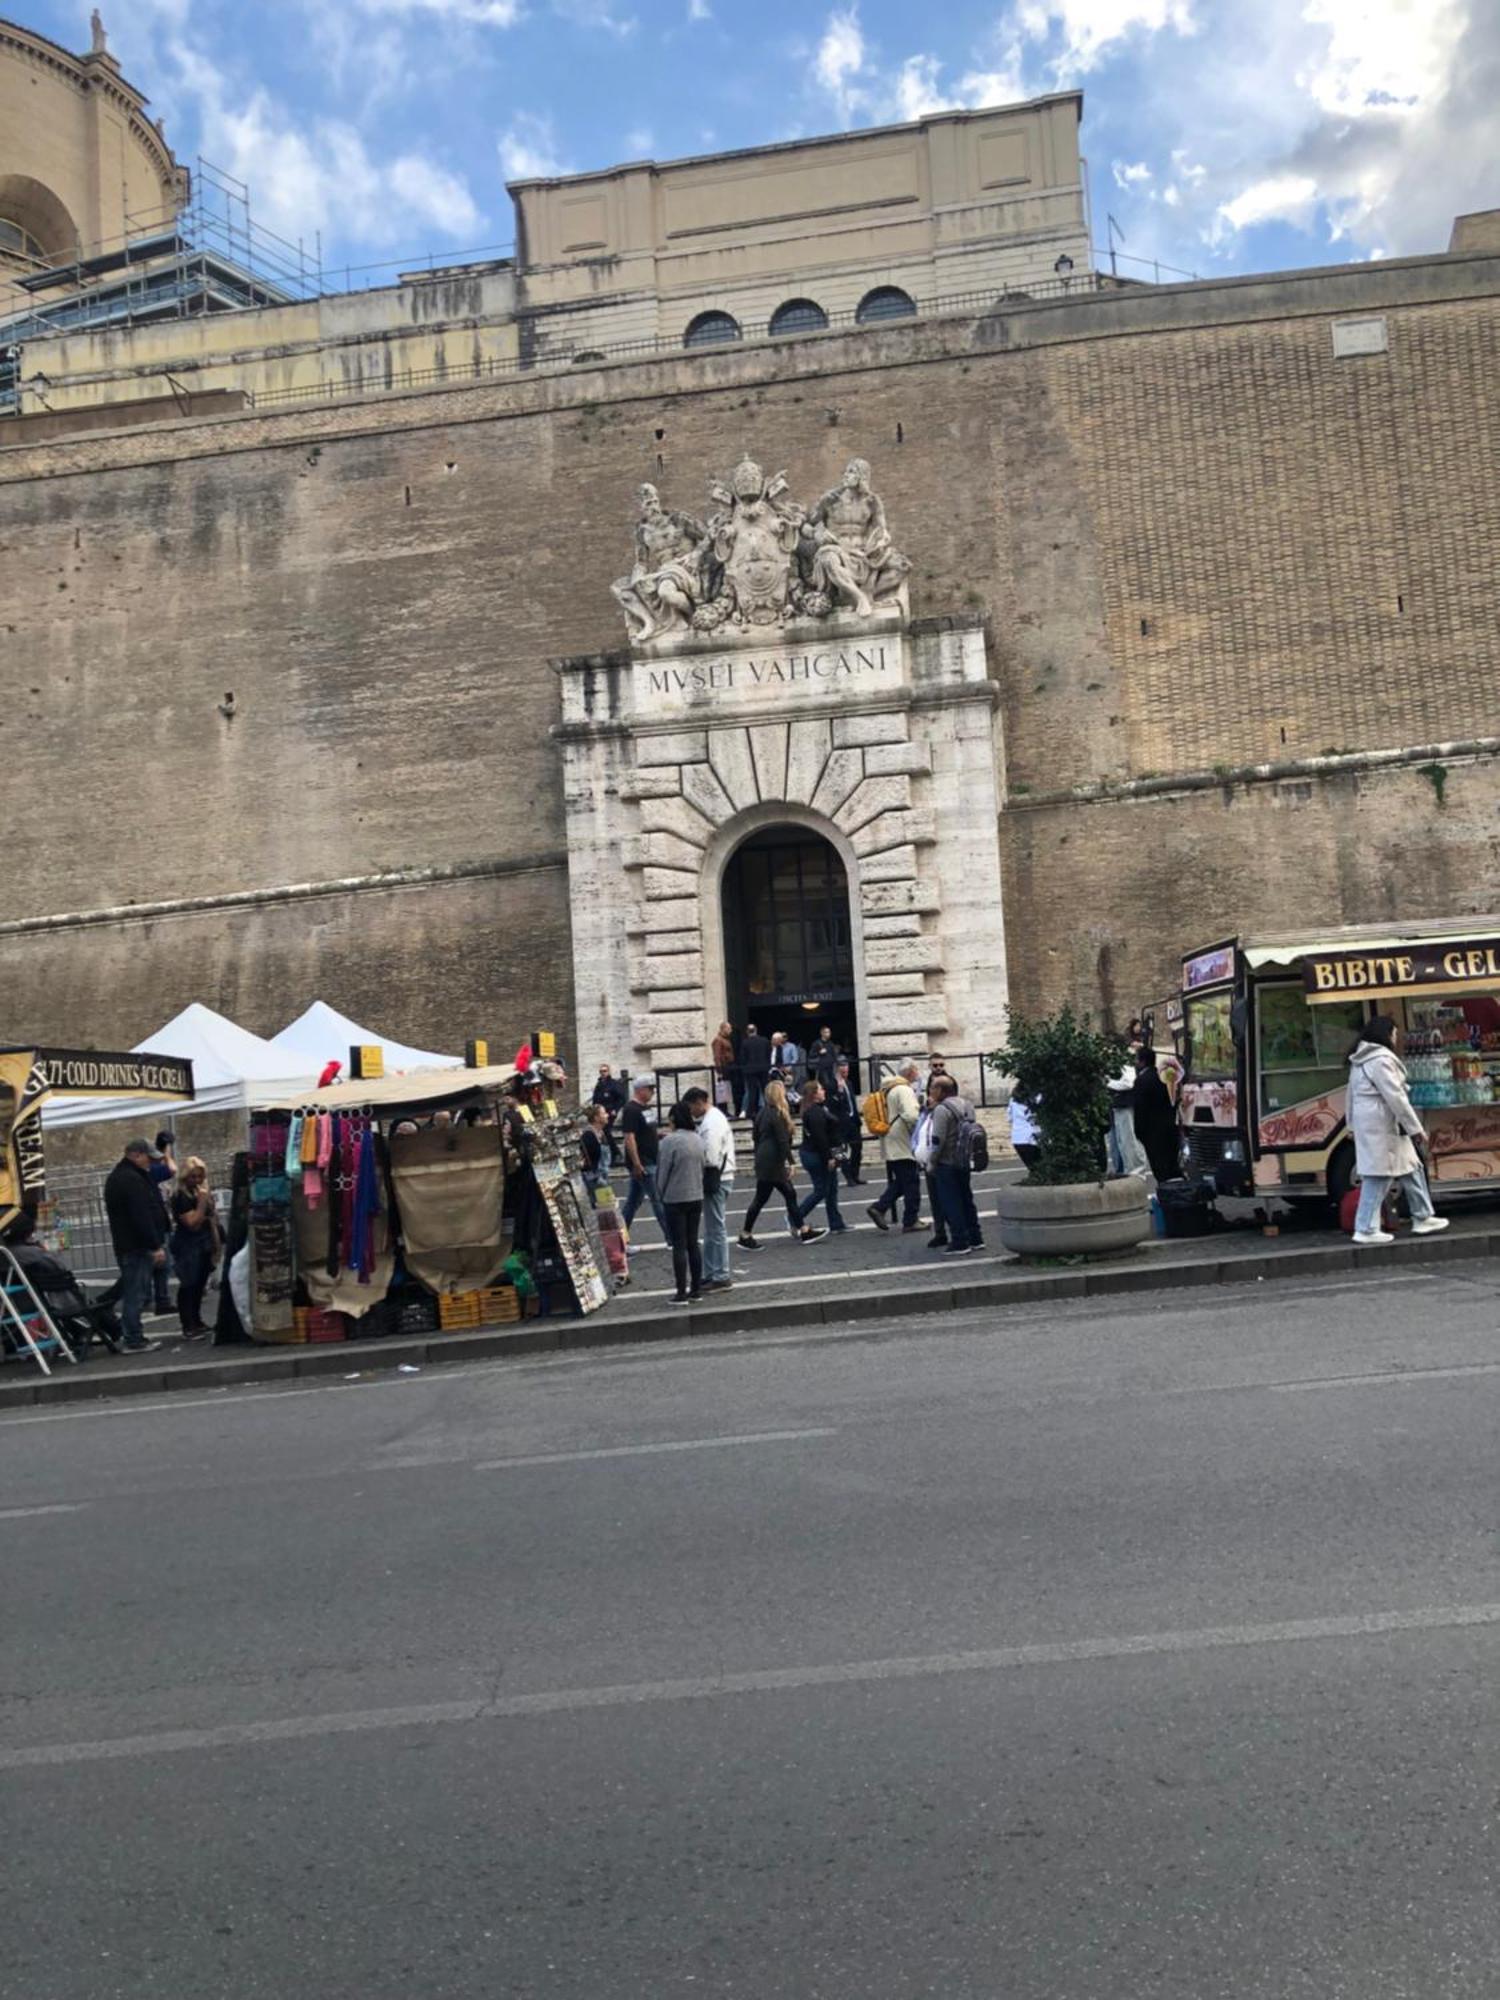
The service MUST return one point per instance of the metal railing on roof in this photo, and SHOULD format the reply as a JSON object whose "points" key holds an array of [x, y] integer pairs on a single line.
{"points": [[500, 367]]}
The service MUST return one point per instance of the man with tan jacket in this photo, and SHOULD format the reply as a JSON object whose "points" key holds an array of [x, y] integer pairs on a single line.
{"points": [[903, 1177]]}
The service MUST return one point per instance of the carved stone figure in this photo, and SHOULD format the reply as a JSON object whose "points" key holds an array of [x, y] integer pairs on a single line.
{"points": [[852, 557], [666, 582], [96, 29], [761, 561]]}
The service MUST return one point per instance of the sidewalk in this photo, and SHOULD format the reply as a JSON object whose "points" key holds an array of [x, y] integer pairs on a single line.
{"points": [[791, 1286]]}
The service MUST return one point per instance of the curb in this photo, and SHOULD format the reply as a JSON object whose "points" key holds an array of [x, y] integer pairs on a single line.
{"points": [[557, 1334]]}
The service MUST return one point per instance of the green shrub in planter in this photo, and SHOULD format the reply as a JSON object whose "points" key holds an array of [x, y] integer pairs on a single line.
{"points": [[1060, 1066]]}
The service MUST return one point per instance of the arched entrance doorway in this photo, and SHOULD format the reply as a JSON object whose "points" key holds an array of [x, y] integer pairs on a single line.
{"points": [[788, 940]]}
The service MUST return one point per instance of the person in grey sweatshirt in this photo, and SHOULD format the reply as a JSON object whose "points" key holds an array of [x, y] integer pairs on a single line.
{"points": [[679, 1188]]}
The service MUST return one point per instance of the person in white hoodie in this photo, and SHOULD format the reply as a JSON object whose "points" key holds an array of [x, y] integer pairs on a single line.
{"points": [[1384, 1123], [717, 1137]]}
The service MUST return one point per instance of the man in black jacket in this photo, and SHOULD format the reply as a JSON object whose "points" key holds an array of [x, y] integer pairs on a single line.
{"points": [[844, 1105], [755, 1061], [138, 1230]]}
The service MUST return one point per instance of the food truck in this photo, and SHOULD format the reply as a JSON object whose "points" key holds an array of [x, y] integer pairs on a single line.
{"points": [[1267, 1027]]}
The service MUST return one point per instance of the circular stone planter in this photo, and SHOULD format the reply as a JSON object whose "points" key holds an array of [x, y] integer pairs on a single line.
{"points": [[1088, 1220]]}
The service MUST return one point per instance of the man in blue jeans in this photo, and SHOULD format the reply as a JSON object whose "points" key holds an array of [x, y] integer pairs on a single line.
{"points": [[953, 1184], [638, 1131], [138, 1231]]}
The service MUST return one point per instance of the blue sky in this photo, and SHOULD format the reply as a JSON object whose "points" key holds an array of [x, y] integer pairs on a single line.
{"points": [[1221, 136]]}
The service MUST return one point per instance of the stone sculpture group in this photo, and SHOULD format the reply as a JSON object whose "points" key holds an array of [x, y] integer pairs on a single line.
{"points": [[761, 561]]}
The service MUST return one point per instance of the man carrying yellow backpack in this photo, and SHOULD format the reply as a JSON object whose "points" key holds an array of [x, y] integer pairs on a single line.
{"points": [[890, 1114]]}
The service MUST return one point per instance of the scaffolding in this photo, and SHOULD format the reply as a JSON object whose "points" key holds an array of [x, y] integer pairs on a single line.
{"points": [[209, 257]]}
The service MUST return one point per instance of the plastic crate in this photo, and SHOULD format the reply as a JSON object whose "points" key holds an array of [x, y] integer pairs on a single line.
{"points": [[313, 1324], [414, 1315]]}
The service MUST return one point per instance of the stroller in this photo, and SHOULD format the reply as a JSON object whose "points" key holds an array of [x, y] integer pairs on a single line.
{"points": [[79, 1317]]}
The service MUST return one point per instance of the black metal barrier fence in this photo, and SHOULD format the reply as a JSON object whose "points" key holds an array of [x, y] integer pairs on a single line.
{"points": [[978, 1082]]}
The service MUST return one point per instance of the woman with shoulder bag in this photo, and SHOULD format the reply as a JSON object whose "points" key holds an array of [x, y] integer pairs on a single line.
{"points": [[822, 1150], [773, 1159], [195, 1244]]}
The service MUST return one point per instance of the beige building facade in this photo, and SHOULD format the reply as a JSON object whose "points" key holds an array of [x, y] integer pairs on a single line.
{"points": [[1197, 633], [793, 237], [81, 164]]}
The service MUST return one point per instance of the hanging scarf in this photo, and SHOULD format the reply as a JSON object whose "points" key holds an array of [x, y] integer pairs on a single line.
{"points": [[294, 1147], [366, 1208]]}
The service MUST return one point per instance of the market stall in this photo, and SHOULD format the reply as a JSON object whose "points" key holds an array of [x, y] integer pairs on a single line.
{"points": [[28, 1079], [442, 1198]]}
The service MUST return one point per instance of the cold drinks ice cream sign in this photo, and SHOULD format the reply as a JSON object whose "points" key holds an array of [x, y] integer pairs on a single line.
{"points": [[1472, 964]]}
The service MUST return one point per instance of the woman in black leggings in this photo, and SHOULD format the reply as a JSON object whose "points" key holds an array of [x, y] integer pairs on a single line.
{"points": [[773, 1159]]}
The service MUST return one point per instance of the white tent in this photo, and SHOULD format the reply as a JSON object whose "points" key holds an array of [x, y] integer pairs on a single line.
{"points": [[321, 1034], [227, 1062]]}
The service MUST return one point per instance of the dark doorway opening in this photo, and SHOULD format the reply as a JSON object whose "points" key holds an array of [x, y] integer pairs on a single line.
{"points": [[788, 942]]}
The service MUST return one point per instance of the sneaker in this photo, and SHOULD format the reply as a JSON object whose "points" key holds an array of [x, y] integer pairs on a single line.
{"points": [[718, 1284], [139, 1346], [810, 1235], [915, 1228], [877, 1216], [679, 1299], [1373, 1236], [1430, 1224], [695, 1298], [938, 1243], [747, 1242], [961, 1249]]}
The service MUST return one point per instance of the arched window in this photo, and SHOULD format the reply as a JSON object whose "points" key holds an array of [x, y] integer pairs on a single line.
{"points": [[885, 302], [18, 241], [587, 358], [799, 316], [710, 328]]}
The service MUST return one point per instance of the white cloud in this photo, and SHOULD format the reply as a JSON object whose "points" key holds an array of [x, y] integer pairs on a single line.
{"points": [[839, 60], [469, 13], [640, 143], [434, 195], [1280, 198], [918, 93], [1130, 174], [699, 10], [528, 149], [1091, 27], [307, 176]]}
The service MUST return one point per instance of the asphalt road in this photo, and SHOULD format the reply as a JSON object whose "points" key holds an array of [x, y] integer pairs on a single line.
{"points": [[1148, 1650]]}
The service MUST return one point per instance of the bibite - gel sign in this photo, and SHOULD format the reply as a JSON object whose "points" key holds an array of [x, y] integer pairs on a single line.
{"points": [[1404, 969]]}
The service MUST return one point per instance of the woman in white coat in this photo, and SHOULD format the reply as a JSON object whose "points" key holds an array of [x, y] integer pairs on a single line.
{"points": [[1384, 1123]]}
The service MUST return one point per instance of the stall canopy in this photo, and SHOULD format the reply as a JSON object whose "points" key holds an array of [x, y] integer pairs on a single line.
{"points": [[321, 1034], [387, 1095], [227, 1060]]}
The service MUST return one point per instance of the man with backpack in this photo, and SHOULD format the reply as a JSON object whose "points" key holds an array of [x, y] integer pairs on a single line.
{"points": [[959, 1151], [890, 1116]]}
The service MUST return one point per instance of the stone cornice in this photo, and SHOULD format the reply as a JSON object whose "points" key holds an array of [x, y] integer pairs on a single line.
{"points": [[953, 694], [1348, 763], [286, 892]]}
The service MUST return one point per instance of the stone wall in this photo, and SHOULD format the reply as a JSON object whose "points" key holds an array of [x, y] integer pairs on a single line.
{"points": [[1146, 881], [1195, 537]]}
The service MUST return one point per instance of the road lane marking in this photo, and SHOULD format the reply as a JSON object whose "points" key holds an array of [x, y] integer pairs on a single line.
{"points": [[886, 1271], [651, 1450], [30, 1513], [771, 1680], [1399, 1378]]}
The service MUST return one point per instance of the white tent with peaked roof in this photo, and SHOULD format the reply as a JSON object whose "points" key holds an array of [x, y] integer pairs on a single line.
{"points": [[321, 1034], [227, 1061]]}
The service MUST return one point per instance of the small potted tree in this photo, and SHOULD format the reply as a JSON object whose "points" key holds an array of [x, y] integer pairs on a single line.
{"points": [[1059, 1066]]}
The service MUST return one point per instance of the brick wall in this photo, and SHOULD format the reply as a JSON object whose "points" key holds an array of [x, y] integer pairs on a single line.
{"points": [[1192, 545]]}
